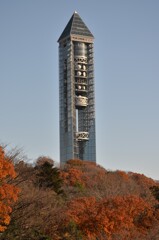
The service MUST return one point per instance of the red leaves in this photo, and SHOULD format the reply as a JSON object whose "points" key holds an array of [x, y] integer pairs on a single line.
{"points": [[8, 193]]}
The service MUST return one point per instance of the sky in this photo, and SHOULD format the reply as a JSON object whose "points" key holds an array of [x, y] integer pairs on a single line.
{"points": [[126, 78]]}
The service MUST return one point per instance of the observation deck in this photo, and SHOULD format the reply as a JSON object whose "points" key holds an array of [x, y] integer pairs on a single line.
{"points": [[82, 136], [81, 102]]}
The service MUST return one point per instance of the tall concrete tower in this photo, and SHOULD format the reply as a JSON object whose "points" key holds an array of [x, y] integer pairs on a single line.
{"points": [[76, 91]]}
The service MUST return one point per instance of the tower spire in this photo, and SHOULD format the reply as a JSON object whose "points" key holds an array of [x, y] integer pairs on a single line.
{"points": [[75, 26]]}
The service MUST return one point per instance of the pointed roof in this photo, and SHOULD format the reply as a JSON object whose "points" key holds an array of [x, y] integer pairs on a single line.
{"points": [[75, 26]]}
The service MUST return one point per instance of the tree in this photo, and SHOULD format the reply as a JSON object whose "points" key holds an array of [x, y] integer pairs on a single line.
{"points": [[96, 204], [110, 217], [48, 176], [8, 192], [155, 192], [35, 206]]}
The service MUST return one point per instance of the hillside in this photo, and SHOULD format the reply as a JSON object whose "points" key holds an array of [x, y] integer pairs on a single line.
{"points": [[82, 201]]}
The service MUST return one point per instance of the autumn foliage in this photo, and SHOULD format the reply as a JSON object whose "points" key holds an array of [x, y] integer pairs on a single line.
{"points": [[8, 192], [82, 201], [106, 217]]}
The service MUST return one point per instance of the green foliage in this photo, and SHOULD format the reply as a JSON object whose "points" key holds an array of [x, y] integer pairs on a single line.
{"points": [[14, 232], [72, 232], [79, 186], [39, 236], [155, 192], [49, 177]]}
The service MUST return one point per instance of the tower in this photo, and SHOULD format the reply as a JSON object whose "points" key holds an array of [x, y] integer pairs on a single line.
{"points": [[76, 92]]}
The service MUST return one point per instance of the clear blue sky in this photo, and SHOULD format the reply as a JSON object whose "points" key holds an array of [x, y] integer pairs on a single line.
{"points": [[126, 75]]}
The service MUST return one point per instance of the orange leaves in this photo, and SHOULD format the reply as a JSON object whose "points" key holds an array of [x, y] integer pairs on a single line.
{"points": [[4, 216], [8, 192], [110, 216], [83, 212], [123, 174], [72, 177], [84, 173], [73, 173], [6, 167], [128, 211], [96, 203], [111, 213]]}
